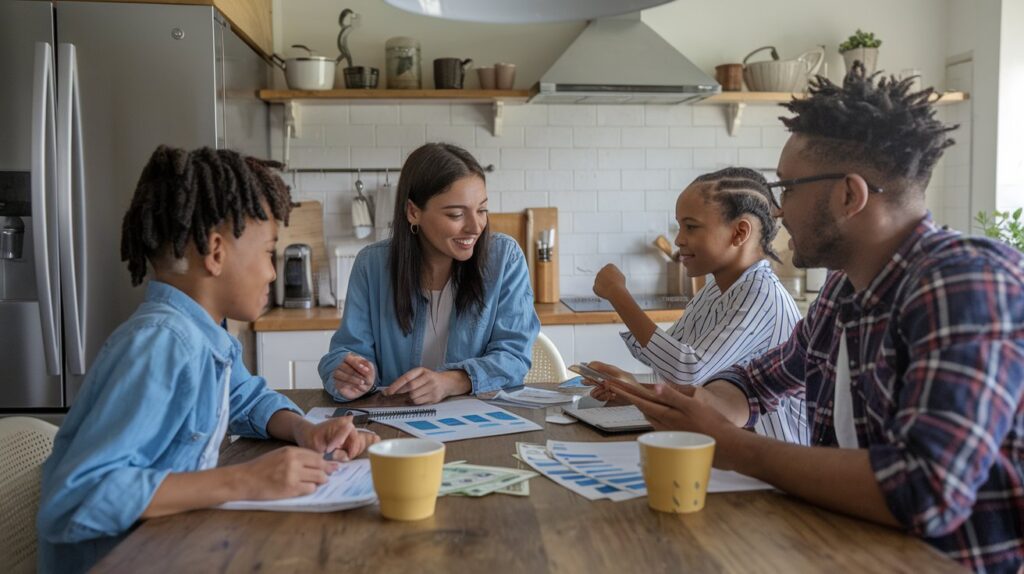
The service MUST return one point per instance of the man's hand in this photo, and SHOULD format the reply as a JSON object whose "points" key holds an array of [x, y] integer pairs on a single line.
{"points": [[426, 387]]}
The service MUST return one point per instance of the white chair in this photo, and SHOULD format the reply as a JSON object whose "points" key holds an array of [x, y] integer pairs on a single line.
{"points": [[24, 444], [548, 366]]}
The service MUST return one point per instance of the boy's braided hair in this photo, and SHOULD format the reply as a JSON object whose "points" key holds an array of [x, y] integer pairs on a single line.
{"points": [[882, 125], [182, 195], [739, 190]]}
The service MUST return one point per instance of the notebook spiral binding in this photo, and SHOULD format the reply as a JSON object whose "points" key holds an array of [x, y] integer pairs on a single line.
{"points": [[402, 414]]}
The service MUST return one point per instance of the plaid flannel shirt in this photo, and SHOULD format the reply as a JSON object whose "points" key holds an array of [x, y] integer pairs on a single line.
{"points": [[936, 352]]}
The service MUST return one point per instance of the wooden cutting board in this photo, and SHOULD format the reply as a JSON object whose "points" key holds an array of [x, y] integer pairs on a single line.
{"points": [[525, 227]]}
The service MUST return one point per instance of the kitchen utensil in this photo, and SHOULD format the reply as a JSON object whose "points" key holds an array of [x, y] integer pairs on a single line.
{"points": [[383, 209], [730, 76], [298, 276], [504, 76], [310, 72], [486, 75], [664, 246], [402, 57], [449, 73], [356, 77], [362, 220], [778, 75]]}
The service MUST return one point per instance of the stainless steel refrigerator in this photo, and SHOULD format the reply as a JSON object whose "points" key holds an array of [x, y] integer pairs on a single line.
{"points": [[89, 91]]}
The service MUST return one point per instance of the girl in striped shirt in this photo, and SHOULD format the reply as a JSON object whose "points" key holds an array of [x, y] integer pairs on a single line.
{"points": [[726, 228]]}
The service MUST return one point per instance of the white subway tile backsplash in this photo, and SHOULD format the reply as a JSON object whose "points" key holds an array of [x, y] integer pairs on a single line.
{"points": [[620, 201], [613, 172], [677, 115], [505, 180], [594, 179], [620, 158], [573, 159], [549, 180], [596, 137], [362, 136], [511, 136], [376, 115], [712, 159], [547, 137], [645, 179], [652, 137], [573, 201], [672, 158], [518, 201], [621, 243], [599, 222], [575, 115], [376, 157], [577, 243], [513, 158], [401, 136], [694, 137], [462, 136], [522, 115], [428, 115], [745, 136], [759, 158], [620, 115]]}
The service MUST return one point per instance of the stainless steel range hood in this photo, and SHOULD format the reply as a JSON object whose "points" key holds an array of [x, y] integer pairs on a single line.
{"points": [[623, 61]]}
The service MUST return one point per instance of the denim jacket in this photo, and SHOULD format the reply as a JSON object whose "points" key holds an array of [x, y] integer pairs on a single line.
{"points": [[493, 346], [146, 409]]}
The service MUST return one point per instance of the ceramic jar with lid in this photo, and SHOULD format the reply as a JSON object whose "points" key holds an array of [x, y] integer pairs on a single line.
{"points": [[402, 57]]}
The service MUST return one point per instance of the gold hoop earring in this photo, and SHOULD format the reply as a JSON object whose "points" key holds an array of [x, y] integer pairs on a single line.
{"points": [[414, 228]]}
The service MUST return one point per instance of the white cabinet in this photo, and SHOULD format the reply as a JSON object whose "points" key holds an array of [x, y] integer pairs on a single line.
{"points": [[597, 342], [288, 359]]}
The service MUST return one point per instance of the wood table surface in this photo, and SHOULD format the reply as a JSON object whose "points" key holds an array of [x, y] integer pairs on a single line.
{"points": [[552, 530]]}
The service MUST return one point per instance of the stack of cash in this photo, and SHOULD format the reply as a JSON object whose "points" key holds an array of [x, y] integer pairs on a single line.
{"points": [[461, 479]]}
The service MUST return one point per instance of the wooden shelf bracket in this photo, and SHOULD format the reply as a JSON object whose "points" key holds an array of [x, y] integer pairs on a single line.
{"points": [[498, 108]]}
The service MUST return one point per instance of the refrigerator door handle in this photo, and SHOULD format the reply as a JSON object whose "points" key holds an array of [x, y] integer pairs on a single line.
{"points": [[43, 156], [70, 186]]}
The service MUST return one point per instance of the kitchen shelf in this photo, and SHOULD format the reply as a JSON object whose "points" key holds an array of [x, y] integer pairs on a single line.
{"points": [[496, 98], [736, 101]]}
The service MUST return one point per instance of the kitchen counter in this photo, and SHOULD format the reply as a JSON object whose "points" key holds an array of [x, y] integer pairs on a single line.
{"points": [[328, 318]]}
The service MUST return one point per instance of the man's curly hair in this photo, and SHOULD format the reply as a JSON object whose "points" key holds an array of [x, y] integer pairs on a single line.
{"points": [[882, 125]]}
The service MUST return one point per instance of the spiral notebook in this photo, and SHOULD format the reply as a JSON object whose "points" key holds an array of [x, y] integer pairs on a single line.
{"points": [[451, 420]]}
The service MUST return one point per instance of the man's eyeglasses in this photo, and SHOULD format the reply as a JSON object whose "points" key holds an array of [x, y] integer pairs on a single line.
{"points": [[779, 188]]}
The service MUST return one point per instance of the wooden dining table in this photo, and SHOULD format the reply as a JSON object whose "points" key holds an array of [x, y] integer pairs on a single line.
{"points": [[551, 530]]}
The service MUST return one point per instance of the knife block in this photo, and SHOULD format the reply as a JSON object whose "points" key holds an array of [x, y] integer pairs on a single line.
{"points": [[547, 282]]}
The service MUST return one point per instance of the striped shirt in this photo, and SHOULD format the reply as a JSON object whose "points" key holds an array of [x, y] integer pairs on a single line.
{"points": [[719, 330], [936, 359]]}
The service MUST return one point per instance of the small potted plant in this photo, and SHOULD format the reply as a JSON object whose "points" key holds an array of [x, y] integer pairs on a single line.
{"points": [[861, 46], [1003, 226]]}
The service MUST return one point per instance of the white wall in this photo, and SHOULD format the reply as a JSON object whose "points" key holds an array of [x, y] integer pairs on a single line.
{"points": [[1010, 164], [613, 171]]}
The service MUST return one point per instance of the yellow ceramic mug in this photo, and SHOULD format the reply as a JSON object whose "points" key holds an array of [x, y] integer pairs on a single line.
{"points": [[677, 468], [407, 476]]}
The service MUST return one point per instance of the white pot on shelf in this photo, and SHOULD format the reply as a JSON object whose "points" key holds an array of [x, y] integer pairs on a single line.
{"points": [[867, 56]]}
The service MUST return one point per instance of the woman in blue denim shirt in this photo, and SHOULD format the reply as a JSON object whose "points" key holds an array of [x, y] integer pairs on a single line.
{"points": [[444, 307]]}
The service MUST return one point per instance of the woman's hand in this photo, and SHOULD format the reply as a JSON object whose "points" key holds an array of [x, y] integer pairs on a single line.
{"points": [[426, 387], [601, 391], [609, 282], [354, 376], [282, 473]]}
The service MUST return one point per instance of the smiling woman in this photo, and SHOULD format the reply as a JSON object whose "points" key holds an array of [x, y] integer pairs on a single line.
{"points": [[443, 307]]}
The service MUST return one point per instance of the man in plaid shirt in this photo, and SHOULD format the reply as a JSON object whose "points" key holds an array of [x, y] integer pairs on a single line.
{"points": [[912, 358]]}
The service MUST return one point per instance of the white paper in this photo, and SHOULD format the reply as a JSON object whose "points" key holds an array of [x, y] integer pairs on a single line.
{"points": [[455, 420], [618, 464], [538, 458], [351, 486]]}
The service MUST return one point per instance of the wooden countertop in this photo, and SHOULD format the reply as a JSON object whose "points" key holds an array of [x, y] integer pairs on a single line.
{"points": [[328, 318]]}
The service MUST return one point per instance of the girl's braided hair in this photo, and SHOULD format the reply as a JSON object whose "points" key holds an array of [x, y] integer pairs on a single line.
{"points": [[739, 190], [182, 195]]}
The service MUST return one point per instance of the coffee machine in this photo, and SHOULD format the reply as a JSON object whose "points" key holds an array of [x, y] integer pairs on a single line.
{"points": [[298, 276]]}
